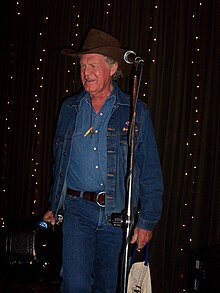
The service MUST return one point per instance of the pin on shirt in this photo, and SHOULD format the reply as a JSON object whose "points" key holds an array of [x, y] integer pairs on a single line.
{"points": [[89, 131]]}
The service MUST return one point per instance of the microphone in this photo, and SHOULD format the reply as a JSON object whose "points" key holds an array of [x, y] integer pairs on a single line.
{"points": [[131, 57]]}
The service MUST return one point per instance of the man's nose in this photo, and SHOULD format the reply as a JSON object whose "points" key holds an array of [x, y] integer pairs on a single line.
{"points": [[87, 71]]}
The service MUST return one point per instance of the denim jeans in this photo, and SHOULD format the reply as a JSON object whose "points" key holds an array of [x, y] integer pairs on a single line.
{"points": [[91, 249]]}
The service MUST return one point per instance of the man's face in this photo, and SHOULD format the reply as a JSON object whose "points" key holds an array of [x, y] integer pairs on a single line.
{"points": [[96, 73]]}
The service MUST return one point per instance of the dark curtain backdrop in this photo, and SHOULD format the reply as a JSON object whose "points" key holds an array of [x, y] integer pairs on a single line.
{"points": [[179, 41]]}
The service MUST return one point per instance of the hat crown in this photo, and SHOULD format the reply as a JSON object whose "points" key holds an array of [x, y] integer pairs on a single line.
{"points": [[97, 38]]}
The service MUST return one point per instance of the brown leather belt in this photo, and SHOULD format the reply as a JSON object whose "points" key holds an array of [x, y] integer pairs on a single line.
{"points": [[98, 197]]}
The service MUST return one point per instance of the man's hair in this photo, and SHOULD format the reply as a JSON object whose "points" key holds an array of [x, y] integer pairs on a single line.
{"points": [[118, 73]]}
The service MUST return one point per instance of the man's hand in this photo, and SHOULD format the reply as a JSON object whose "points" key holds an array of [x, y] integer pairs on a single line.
{"points": [[141, 237], [49, 218]]}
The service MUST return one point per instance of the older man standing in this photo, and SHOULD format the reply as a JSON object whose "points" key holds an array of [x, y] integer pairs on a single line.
{"points": [[90, 170]]}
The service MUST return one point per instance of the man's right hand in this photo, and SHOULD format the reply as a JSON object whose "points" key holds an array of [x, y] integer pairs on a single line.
{"points": [[49, 218]]}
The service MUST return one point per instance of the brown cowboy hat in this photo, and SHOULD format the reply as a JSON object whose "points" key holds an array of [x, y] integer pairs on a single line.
{"points": [[100, 42]]}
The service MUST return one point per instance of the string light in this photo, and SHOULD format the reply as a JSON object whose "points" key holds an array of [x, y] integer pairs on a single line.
{"points": [[107, 9], [8, 125], [2, 223], [72, 66], [152, 51], [191, 159], [39, 83]]}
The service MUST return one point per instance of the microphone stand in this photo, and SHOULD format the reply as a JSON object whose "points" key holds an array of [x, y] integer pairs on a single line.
{"points": [[138, 62]]}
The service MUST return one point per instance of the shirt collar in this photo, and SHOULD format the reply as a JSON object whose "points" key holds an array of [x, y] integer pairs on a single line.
{"points": [[87, 99]]}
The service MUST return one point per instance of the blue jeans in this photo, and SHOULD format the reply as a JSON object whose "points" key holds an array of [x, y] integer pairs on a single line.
{"points": [[91, 249]]}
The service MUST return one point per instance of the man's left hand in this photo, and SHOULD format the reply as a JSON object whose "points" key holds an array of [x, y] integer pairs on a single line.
{"points": [[141, 237]]}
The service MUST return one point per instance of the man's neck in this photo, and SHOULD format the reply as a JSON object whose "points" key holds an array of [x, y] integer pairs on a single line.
{"points": [[97, 103], [99, 99]]}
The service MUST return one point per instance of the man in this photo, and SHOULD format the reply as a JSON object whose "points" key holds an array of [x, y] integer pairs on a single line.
{"points": [[90, 170]]}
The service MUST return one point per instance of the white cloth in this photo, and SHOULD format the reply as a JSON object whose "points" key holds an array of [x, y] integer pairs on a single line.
{"points": [[139, 278]]}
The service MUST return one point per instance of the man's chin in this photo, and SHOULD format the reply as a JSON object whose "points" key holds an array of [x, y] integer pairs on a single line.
{"points": [[90, 88]]}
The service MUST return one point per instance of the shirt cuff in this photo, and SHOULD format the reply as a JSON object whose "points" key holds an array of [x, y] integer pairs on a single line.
{"points": [[145, 224]]}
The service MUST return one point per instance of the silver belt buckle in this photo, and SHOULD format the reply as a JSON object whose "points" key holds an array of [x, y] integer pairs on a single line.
{"points": [[97, 199]]}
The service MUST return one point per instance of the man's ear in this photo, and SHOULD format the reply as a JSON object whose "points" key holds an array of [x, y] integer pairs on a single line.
{"points": [[114, 68]]}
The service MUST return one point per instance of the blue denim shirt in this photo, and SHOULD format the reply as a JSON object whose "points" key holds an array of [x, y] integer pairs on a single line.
{"points": [[89, 152], [147, 188]]}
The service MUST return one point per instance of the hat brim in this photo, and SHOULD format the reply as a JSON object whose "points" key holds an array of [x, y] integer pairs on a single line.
{"points": [[115, 53]]}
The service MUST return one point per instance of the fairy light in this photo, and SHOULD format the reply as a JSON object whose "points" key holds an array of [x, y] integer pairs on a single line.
{"points": [[71, 66], [38, 86], [18, 6], [190, 172], [152, 50], [2, 223], [108, 7], [8, 126]]}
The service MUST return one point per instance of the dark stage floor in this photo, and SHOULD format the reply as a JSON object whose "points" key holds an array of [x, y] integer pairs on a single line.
{"points": [[25, 278], [29, 287]]}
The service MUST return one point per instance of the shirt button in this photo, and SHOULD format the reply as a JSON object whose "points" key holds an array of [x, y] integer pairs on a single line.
{"points": [[96, 131], [94, 149], [96, 167], [101, 114]]}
